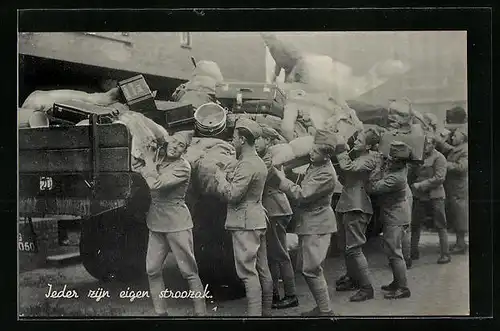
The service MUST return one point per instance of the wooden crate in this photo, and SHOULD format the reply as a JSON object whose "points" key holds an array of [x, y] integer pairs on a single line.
{"points": [[137, 94]]}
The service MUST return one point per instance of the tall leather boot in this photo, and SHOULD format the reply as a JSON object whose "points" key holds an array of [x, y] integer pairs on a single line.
{"points": [[443, 244], [460, 246], [319, 290], [363, 276], [267, 297], [415, 240]]}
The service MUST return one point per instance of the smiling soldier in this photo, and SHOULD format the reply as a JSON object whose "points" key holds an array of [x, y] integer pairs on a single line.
{"points": [[169, 220]]}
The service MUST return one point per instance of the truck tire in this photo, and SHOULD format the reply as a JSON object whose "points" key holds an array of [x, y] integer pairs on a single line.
{"points": [[214, 248], [113, 246]]}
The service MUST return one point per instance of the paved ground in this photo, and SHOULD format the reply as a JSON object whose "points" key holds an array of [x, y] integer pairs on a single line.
{"points": [[436, 290]]}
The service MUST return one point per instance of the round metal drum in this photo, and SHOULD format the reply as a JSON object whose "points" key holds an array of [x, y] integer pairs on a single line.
{"points": [[210, 119]]}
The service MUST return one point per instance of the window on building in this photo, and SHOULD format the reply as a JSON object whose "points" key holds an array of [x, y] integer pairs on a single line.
{"points": [[186, 41], [112, 36]]}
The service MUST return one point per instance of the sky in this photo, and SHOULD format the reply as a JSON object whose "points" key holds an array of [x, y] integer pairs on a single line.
{"points": [[361, 50]]}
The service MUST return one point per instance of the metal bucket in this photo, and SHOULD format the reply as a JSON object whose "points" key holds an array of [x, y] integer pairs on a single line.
{"points": [[210, 119]]}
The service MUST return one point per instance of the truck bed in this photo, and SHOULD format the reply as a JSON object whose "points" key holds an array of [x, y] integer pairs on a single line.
{"points": [[75, 170]]}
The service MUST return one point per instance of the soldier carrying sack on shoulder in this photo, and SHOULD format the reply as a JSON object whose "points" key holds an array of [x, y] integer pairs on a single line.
{"points": [[354, 210], [279, 213], [169, 220], [395, 200], [315, 217], [246, 218], [426, 181]]}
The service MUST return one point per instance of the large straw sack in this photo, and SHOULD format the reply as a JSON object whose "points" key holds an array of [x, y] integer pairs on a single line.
{"points": [[206, 156], [23, 117], [281, 154], [320, 109], [297, 148], [344, 122], [209, 69], [145, 132], [316, 71], [301, 146], [44, 100], [197, 90]]}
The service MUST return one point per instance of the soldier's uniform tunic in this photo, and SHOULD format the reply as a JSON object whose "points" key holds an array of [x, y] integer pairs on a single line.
{"points": [[395, 200], [456, 185], [429, 198], [246, 220], [315, 224], [170, 229], [279, 212], [355, 209]]}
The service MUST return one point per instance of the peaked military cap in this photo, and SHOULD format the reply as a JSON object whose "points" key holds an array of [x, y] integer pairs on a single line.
{"points": [[268, 132], [325, 137], [399, 150], [253, 127], [184, 136]]}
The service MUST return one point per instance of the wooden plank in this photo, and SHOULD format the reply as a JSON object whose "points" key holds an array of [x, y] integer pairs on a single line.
{"points": [[109, 186], [111, 135], [83, 207], [113, 159]]}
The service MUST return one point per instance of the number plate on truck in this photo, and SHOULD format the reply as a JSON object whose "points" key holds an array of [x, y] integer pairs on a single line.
{"points": [[46, 183]]}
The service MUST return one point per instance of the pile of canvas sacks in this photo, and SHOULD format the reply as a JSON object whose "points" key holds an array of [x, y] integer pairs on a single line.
{"points": [[307, 109], [144, 131]]}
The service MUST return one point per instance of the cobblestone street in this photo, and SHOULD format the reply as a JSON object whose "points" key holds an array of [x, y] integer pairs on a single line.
{"points": [[436, 290]]}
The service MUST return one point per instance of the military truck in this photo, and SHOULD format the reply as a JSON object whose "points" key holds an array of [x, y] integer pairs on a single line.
{"points": [[86, 171]]}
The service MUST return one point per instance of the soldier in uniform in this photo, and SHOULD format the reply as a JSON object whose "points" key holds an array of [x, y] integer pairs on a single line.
{"points": [[246, 218], [279, 213], [395, 200], [169, 220], [428, 195], [354, 210], [456, 186], [315, 217]]}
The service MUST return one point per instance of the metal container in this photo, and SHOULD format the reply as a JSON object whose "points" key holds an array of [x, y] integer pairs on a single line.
{"points": [[210, 119]]}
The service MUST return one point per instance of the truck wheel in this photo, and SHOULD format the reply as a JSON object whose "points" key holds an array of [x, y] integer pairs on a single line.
{"points": [[214, 248], [113, 247]]}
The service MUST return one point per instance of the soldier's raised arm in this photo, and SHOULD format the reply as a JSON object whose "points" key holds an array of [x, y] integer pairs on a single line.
{"points": [[389, 183], [439, 174], [180, 174], [309, 190], [461, 165], [357, 165], [233, 191]]}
